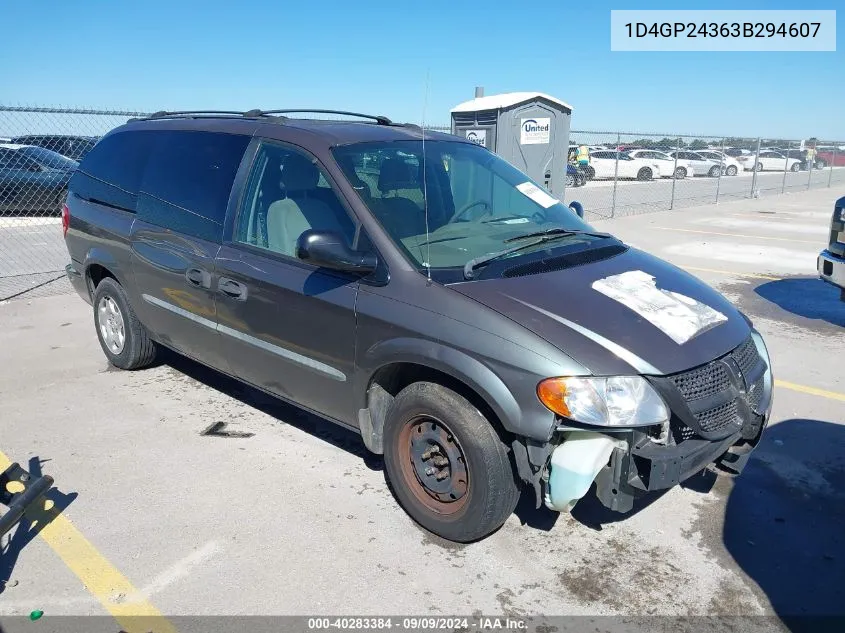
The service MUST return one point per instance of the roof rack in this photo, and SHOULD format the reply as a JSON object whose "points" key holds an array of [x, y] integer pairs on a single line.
{"points": [[255, 114], [381, 120]]}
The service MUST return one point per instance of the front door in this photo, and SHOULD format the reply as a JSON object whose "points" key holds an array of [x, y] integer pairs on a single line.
{"points": [[287, 326]]}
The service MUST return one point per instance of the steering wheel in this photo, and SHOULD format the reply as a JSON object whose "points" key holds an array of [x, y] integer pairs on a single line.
{"points": [[463, 210]]}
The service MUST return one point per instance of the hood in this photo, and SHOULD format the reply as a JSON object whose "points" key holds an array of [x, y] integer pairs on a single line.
{"points": [[602, 321]]}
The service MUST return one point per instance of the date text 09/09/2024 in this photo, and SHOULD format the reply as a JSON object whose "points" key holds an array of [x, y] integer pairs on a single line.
{"points": [[723, 29], [418, 624]]}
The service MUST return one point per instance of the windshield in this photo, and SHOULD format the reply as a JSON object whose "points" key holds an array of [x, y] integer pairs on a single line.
{"points": [[46, 158], [477, 202]]}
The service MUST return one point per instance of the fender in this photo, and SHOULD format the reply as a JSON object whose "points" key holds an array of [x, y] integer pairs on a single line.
{"points": [[101, 256], [448, 360]]}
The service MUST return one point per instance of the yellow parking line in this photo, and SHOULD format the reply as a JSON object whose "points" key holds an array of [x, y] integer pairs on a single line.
{"points": [[753, 237], [97, 574], [730, 272], [813, 391]]}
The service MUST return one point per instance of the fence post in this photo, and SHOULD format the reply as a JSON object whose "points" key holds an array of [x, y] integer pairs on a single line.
{"points": [[674, 174], [615, 175], [754, 173], [830, 173], [810, 165], [722, 166], [785, 166]]}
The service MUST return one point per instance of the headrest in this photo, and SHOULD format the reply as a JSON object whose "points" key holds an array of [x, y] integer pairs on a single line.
{"points": [[299, 173], [396, 174]]}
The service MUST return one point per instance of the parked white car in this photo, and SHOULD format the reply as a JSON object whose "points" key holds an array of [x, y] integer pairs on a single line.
{"points": [[703, 166], [770, 161], [730, 165], [666, 163], [604, 164]]}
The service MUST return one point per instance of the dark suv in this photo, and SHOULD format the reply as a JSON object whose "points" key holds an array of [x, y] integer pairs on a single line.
{"points": [[418, 289]]}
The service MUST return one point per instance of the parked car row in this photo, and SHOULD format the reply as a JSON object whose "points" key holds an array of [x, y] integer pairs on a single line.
{"points": [[73, 147], [33, 179]]}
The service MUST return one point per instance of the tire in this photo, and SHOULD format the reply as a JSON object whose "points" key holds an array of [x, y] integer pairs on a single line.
{"points": [[479, 491], [795, 167], [820, 164], [114, 319], [714, 172], [645, 174], [590, 173], [570, 180], [758, 167], [731, 170], [681, 173]]}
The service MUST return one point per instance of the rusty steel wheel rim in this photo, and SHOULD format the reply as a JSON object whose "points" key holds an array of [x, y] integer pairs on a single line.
{"points": [[434, 465]]}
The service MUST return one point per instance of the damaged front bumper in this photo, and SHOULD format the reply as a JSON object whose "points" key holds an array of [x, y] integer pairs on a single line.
{"points": [[718, 414]]}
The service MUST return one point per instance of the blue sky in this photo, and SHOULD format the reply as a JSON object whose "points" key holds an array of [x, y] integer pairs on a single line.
{"points": [[373, 56]]}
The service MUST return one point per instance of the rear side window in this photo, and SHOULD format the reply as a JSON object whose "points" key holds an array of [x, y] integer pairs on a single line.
{"points": [[188, 179], [111, 172]]}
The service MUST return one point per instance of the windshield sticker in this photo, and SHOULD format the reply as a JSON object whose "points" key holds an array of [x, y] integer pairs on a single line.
{"points": [[537, 195], [678, 316]]}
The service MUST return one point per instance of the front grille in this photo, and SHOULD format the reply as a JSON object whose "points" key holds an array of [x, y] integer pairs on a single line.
{"points": [[746, 356], [721, 393], [719, 418], [703, 382]]}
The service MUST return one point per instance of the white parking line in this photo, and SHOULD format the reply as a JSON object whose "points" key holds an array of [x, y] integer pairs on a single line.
{"points": [[765, 258], [750, 225]]}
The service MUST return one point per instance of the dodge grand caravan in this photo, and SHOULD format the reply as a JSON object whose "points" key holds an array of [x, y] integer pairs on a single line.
{"points": [[420, 290]]}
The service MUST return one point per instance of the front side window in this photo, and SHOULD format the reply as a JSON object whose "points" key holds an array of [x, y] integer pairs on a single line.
{"points": [[457, 202], [286, 195]]}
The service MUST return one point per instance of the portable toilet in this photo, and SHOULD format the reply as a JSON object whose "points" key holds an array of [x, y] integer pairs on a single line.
{"points": [[528, 129]]}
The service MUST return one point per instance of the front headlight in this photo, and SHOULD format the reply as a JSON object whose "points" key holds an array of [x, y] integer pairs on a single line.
{"points": [[613, 401]]}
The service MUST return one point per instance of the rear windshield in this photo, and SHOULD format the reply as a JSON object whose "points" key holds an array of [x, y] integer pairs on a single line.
{"points": [[475, 201]]}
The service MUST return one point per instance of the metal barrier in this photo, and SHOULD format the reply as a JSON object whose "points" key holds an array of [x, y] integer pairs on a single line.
{"points": [[627, 173]]}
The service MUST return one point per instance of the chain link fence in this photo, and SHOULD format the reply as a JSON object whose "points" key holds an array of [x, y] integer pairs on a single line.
{"points": [[625, 174]]}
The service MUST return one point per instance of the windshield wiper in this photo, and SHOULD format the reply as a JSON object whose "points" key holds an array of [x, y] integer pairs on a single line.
{"points": [[556, 232]]}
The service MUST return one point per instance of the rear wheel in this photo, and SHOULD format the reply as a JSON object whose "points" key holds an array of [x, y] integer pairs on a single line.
{"points": [[758, 167], [714, 172], [446, 464], [644, 174], [590, 173], [124, 339], [570, 180], [731, 170], [820, 164], [795, 167], [680, 173]]}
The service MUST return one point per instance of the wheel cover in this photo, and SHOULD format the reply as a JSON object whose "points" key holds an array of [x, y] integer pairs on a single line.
{"points": [[112, 326], [433, 465]]}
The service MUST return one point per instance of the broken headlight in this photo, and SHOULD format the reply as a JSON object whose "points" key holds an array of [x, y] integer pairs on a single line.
{"points": [[618, 401]]}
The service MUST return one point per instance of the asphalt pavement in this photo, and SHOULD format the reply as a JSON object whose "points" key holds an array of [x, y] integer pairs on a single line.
{"points": [[152, 516]]}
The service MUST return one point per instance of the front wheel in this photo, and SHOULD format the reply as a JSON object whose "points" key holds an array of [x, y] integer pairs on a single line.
{"points": [[758, 167], [795, 167], [447, 465], [570, 180], [715, 171], [731, 170], [590, 173], [820, 164], [644, 174], [680, 173]]}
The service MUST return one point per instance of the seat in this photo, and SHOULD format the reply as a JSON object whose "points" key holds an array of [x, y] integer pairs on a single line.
{"points": [[401, 216], [300, 209]]}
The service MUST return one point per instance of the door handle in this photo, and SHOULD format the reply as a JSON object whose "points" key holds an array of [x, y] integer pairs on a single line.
{"points": [[198, 277], [232, 288]]}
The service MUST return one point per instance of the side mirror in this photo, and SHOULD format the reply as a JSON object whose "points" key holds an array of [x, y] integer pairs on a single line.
{"points": [[578, 208], [328, 249]]}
